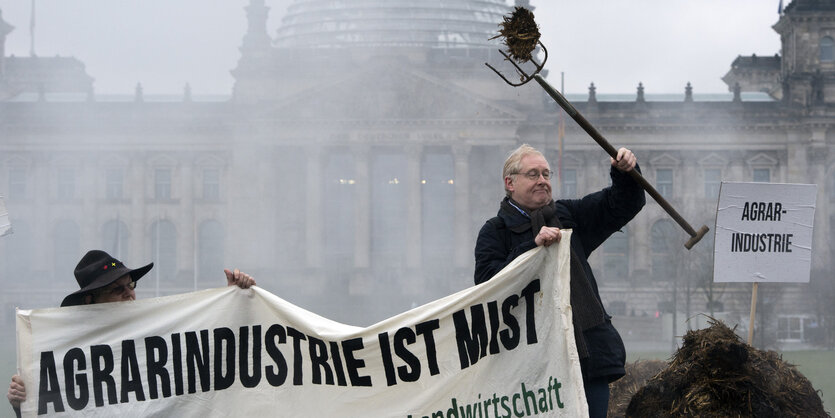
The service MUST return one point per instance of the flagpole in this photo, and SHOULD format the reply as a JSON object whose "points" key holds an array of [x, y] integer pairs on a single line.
{"points": [[194, 249], [156, 256]]}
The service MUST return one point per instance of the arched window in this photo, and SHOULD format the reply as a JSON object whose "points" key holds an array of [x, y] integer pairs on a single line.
{"points": [[114, 239], [164, 254], [67, 248], [663, 236], [210, 249], [616, 256], [827, 48]]}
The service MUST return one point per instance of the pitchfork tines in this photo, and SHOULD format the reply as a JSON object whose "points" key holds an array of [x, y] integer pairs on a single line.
{"points": [[524, 77]]}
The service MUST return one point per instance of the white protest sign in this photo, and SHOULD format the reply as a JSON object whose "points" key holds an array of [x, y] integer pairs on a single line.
{"points": [[504, 348], [764, 232]]}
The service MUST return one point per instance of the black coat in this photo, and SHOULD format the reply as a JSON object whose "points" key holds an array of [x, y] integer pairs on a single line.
{"points": [[593, 219]]}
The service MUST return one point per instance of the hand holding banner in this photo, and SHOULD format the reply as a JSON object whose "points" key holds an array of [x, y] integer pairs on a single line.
{"points": [[503, 348]]}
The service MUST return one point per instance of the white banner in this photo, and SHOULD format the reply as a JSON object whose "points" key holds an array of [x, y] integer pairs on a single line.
{"points": [[504, 348], [764, 232]]}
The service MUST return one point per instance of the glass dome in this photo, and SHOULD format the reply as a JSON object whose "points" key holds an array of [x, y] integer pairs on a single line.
{"points": [[391, 23]]}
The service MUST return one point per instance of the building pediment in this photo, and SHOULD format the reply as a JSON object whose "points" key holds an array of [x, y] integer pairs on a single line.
{"points": [[713, 160], [390, 94], [162, 161], [762, 160], [115, 160], [64, 161], [664, 160], [16, 161], [209, 161]]}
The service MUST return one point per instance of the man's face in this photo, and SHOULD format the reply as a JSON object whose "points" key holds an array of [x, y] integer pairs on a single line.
{"points": [[118, 291], [532, 193]]}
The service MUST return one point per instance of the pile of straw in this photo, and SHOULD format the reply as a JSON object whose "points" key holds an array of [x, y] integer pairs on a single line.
{"points": [[637, 375], [715, 374]]}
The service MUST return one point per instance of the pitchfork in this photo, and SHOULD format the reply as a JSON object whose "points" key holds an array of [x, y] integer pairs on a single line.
{"points": [[695, 236]]}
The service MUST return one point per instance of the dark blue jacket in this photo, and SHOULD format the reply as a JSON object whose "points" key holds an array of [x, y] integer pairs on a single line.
{"points": [[593, 219]]}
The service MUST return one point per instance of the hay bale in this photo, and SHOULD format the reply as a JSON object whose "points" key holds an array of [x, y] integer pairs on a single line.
{"points": [[715, 374], [622, 390]]}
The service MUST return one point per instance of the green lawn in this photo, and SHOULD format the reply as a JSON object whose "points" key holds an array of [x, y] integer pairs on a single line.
{"points": [[817, 366]]}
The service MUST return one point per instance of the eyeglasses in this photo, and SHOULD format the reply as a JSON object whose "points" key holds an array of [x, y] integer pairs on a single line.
{"points": [[533, 175], [118, 290]]}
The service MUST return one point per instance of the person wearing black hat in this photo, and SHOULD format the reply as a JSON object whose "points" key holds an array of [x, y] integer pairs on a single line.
{"points": [[102, 279]]}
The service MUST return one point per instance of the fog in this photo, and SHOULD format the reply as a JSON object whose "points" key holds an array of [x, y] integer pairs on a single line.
{"points": [[613, 44], [354, 183]]}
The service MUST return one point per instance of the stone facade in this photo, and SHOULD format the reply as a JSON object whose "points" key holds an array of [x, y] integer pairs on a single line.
{"points": [[352, 180]]}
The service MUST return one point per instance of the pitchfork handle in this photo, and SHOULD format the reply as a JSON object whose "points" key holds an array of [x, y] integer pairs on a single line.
{"points": [[695, 236]]}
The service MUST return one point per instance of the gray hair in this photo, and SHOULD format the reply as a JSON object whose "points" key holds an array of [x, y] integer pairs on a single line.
{"points": [[513, 163]]}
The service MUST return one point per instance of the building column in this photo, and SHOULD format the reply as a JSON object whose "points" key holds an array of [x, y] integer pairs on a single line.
{"points": [[414, 207], [464, 240], [413, 283], [187, 246], [361, 282], [140, 212], [313, 220], [690, 188], [639, 246], [817, 175], [40, 194], [88, 195]]}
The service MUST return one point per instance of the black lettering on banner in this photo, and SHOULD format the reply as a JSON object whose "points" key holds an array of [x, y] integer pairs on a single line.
{"points": [[337, 364], [156, 355], [493, 314], [131, 378], [297, 354], [197, 360], [510, 336], [101, 362], [76, 380], [250, 380], [471, 345], [411, 371], [276, 375], [354, 364], [224, 340], [388, 363], [177, 362], [426, 329], [319, 360], [472, 338], [411, 368], [213, 359], [49, 390], [530, 322]]}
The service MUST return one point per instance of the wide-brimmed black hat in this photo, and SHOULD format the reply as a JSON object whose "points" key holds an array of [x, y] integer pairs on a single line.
{"points": [[98, 269]]}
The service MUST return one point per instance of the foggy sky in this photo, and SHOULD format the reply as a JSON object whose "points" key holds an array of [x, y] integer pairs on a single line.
{"points": [[165, 44]]}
